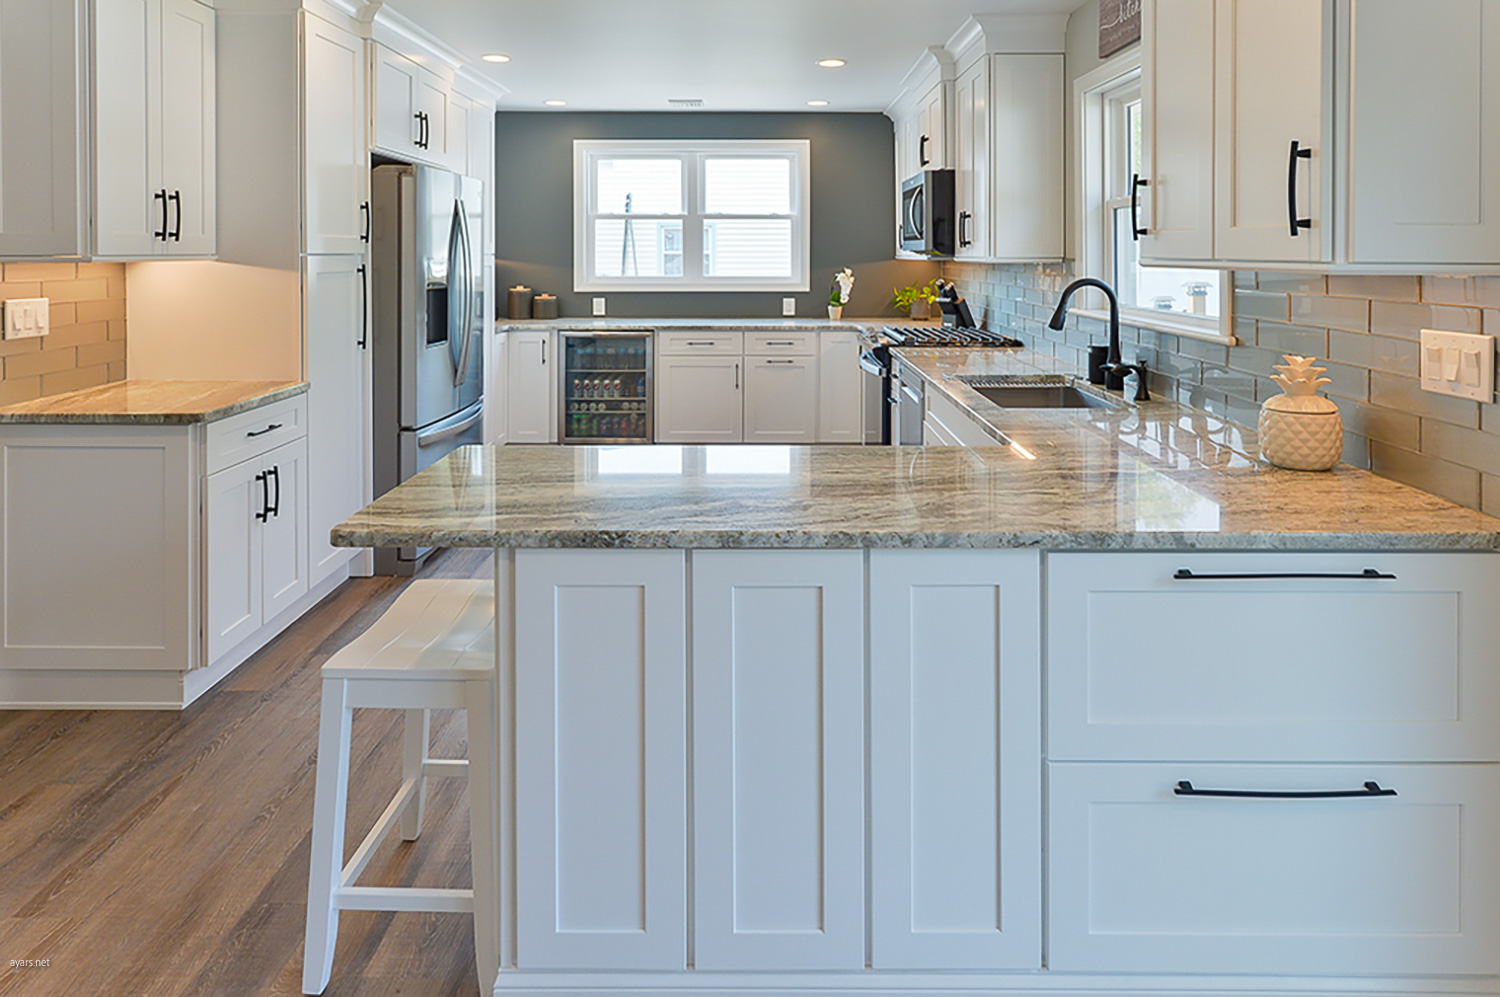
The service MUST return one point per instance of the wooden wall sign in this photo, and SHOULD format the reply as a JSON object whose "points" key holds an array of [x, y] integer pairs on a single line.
{"points": [[1119, 25]]}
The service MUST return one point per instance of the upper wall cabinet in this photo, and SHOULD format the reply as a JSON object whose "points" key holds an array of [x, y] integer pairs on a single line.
{"points": [[420, 116], [148, 189], [154, 145], [336, 166], [1321, 134]]}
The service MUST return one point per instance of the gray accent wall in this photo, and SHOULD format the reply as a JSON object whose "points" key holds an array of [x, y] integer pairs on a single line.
{"points": [[853, 209]]}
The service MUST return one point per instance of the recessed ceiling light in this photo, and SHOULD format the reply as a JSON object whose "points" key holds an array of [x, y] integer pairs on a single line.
{"points": [[555, 103], [832, 63], [817, 103], [495, 57]]}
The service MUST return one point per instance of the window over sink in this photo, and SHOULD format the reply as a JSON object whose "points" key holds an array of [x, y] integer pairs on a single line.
{"points": [[691, 216]]}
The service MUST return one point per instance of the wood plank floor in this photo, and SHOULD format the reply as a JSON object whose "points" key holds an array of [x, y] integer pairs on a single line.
{"points": [[155, 853]]}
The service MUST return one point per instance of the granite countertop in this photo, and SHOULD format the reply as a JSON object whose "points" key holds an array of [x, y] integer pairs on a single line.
{"points": [[809, 324], [150, 403]]}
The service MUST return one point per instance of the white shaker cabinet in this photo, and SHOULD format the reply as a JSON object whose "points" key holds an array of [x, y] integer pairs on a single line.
{"points": [[531, 387], [781, 400], [1176, 199], [778, 759], [955, 763], [601, 760], [411, 108], [336, 171], [155, 134], [841, 385], [971, 166], [700, 399]]}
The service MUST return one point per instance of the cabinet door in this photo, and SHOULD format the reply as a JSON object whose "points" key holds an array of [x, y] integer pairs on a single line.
{"points": [[971, 143], [188, 139], [778, 771], [130, 207], [482, 149], [336, 171], [932, 125], [698, 399], [1144, 880], [43, 52], [233, 502], [781, 400], [338, 407], [531, 415], [601, 746], [1177, 130], [1424, 111], [396, 102], [1025, 157], [955, 741], [456, 133], [432, 102], [1273, 66], [283, 536], [841, 384]]}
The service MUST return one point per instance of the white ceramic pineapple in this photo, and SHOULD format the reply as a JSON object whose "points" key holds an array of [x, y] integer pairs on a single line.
{"points": [[1301, 429]]}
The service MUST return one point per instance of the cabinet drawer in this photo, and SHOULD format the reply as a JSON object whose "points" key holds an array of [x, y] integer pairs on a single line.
{"points": [[1257, 658], [688, 342], [1144, 880], [250, 434], [770, 344]]}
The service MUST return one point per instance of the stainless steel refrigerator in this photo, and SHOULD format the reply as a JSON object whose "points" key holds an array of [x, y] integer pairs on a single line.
{"points": [[427, 337]]}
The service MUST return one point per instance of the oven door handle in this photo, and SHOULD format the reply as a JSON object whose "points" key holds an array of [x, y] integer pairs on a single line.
{"points": [[870, 365]]}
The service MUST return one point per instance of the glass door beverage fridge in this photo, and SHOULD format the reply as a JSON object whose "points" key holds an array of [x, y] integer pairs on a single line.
{"points": [[606, 387]]}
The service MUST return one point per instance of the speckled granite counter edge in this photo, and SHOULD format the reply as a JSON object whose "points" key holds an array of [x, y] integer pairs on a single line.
{"points": [[844, 540], [151, 418], [669, 325]]}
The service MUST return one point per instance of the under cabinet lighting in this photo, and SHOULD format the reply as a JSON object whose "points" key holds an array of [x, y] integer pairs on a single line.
{"points": [[555, 103], [832, 63], [817, 103], [495, 57]]}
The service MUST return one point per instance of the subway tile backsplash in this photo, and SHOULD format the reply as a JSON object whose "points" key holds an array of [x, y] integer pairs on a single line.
{"points": [[1364, 328], [86, 346]]}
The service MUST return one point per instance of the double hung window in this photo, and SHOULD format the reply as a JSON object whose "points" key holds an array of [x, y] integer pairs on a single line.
{"points": [[691, 216]]}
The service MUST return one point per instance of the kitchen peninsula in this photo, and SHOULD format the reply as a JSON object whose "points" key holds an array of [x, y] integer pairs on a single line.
{"points": [[773, 717]]}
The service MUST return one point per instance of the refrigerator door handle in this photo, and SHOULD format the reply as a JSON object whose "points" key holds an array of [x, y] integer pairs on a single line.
{"points": [[467, 286], [444, 432]]}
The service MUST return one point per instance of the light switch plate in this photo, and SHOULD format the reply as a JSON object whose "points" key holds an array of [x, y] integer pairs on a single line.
{"points": [[1460, 364], [598, 306], [789, 306], [27, 317]]}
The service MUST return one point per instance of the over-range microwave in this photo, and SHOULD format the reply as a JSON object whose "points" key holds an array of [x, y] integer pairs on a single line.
{"points": [[927, 221]]}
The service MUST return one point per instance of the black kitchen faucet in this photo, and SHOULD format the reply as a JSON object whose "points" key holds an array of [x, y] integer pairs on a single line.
{"points": [[1113, 365]]}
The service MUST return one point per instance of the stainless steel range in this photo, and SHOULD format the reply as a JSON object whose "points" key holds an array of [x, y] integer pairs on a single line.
{"points": [[900, 413]]}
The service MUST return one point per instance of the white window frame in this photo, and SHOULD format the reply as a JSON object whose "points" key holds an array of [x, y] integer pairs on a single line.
{"points": [[1098, 133], [692, 154]]}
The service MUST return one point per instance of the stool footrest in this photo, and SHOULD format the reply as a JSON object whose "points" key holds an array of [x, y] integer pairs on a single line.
{"points": [[405, 898], [446, 768]]}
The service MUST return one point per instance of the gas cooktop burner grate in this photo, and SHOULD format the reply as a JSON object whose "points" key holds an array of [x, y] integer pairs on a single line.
{"points": [[947, 336]]}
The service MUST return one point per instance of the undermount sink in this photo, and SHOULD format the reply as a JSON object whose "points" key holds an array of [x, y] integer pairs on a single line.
{"points": [[1045, 391]]}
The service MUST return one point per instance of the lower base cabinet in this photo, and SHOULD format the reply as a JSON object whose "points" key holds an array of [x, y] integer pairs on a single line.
{"points": [[1145, 880]]}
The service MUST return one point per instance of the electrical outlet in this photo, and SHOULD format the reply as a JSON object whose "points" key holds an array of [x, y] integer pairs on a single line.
{"points": [[789, 306], [598, 306], [27, 317], [1459, 364]]}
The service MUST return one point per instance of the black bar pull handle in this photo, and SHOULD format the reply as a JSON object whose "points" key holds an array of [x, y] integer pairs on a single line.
{"points": [[963, 229], [1185, 788], [1298, 224], [1136, 183], [265, 497], [418, 140], [275, 508], [922, 151], [364, 209], [161, 233], [1369, 574], [177, 229], [364, 306], [263, 432]]}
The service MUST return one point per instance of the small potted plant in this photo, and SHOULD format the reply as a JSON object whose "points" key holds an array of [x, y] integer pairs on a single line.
{"points": [[838, 293], [915, 299]]}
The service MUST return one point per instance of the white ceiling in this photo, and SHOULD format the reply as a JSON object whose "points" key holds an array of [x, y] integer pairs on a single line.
{"points": [[737, 55]]}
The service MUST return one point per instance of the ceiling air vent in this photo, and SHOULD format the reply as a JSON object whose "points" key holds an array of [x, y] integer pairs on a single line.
{"points": [[685, 101]]}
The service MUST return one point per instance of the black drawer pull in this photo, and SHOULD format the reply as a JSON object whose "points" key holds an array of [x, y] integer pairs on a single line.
{"points": [[265, 496], [275, 508], [262, 432], [1136, 183], [1297, 224], [1185, 788], [1184, 575]]}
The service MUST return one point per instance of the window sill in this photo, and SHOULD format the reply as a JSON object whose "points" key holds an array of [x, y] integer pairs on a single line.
{"points": [[1186, 328]]}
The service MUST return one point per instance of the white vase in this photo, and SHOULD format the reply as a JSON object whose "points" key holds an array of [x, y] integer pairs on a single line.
{"points": [[835, 312], [1300, 430]]}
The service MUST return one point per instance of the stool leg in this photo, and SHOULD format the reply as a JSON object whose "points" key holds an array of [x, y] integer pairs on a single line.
{"points": [[414, 756], [329, 809], [480, 705]]}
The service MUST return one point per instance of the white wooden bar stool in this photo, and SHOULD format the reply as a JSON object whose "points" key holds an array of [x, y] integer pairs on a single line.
{"points": [[433, 649]]}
